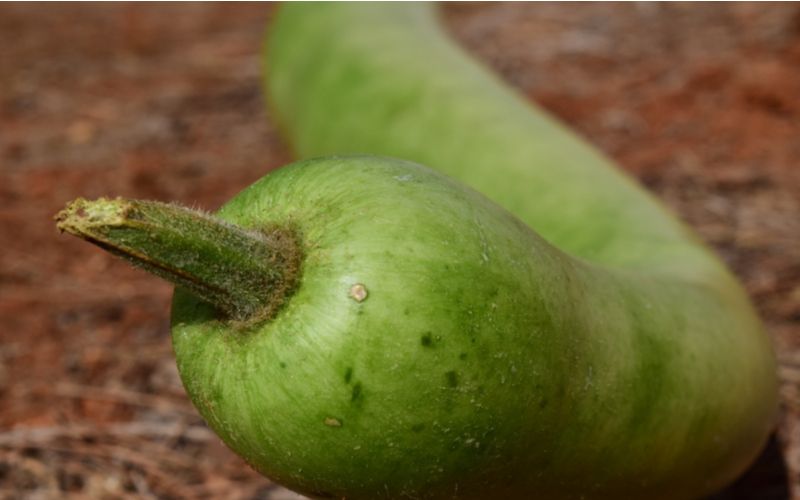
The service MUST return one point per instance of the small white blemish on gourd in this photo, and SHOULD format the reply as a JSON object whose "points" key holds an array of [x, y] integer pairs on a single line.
{"points": [[332, 422], [358, 292]]}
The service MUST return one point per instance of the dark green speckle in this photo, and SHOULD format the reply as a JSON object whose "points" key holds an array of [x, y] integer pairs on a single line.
{"points": [[356, 395], [348, 374], [452, 378], [426, 340]]}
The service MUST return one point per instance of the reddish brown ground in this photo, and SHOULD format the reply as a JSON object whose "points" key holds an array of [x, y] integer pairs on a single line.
{"points": [[700, 101]]}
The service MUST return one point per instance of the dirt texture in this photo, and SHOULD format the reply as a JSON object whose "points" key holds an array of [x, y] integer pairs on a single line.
{"points": [[701, 102]]}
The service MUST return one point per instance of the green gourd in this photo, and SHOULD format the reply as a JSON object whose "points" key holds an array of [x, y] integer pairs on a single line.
{"points": [[363, 327]]}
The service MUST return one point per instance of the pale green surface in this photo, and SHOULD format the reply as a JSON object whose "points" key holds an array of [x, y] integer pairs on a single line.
{"points": [[382, 79], [483, 363]]}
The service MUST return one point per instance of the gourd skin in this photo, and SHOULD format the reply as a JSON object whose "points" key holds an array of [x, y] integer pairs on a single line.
{"points": [[484, 362], [382, 79]]}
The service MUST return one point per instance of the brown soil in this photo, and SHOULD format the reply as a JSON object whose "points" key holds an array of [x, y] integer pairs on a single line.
{"points": [[700, 101]]}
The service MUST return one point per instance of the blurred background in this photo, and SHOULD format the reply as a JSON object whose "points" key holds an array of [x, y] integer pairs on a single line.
{"points": [[701, 102]]}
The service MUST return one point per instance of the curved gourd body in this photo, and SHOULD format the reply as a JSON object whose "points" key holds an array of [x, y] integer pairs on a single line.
{"points": [[435, 346]]}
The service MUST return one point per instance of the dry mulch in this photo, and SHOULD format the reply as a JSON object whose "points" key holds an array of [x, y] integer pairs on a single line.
{"points": [[700, 101]]}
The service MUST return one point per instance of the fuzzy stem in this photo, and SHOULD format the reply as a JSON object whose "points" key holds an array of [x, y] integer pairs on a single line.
{"points": [[245, 274]]}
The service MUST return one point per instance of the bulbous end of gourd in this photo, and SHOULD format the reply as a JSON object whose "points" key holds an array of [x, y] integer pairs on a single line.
{"points": [[436, 347], [654, 376]]}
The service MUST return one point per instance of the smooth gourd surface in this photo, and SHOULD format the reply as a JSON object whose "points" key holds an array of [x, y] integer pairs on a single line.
{"points": [[613, 356], [384, 79], [483, 361]]}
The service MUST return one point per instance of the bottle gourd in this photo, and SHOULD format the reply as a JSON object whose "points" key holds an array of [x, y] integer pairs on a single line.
{"points": [[362, 327]]}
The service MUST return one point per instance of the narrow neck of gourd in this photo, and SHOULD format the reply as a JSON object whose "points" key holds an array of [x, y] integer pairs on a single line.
{"points": [[246, 274]]}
